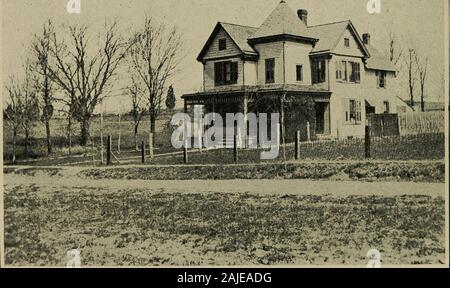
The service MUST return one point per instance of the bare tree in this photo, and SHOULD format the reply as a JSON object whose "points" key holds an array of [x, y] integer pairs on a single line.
{"points": [[154, 58], [85, 75], [41, 46], [411, 74], [13, 111], [422, 67], [395, 50], [138, 107], [30, 104], [22, 108]]}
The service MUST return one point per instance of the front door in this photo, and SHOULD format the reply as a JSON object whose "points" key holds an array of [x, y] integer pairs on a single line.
{"points": [[322, 118]]}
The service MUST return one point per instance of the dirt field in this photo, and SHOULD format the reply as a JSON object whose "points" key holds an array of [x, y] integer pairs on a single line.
{"points": [[255, 222]]}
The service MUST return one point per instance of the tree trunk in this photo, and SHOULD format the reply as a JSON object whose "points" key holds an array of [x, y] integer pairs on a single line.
{"points": [[422, 102], [136, 137], [14, 146], [69, 128], [153, 125], [85, 123], [27, 142], [47, 130]]}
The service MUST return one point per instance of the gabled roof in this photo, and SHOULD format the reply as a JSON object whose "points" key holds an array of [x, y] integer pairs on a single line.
{"points": [[237, 33], [240, 35], [282, 21], [330, 34], [378, 61]]}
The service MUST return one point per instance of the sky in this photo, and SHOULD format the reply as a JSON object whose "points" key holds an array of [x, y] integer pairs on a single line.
{"points": [[418, 24]]}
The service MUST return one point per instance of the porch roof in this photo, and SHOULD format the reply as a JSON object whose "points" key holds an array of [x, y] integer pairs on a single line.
{"points": [[263, 89]]}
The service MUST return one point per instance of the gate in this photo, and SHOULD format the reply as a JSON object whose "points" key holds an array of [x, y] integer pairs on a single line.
{"points": [[383, 125]]}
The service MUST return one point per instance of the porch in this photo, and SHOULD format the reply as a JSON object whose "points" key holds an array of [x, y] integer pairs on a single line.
{"points": [[296, 104]]}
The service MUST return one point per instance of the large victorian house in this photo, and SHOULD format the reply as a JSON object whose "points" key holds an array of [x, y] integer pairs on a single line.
{"points": [[331, 63]]}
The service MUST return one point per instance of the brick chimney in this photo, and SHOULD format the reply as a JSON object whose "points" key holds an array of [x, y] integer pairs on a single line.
{"points": [[303, 15], [366, 38]]}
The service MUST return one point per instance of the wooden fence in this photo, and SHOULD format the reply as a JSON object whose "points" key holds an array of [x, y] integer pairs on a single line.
{"points": [[422, 122]]}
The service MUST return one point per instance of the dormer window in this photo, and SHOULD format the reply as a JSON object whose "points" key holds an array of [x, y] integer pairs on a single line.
{"points": [[222, 44], [347, 42]]}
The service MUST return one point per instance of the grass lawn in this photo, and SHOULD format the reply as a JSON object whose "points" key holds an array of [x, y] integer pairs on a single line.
{"points": [[149, 227], [366, 171]]}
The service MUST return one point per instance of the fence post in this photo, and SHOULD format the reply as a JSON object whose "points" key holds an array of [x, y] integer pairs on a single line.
{"points": [[150, 145], [297, 145], [367, 142], [235, 149], [108, 151], [185, 152], [143, 152], [308, 131]]}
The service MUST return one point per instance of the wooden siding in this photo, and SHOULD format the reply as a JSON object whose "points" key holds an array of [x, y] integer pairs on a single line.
{"points": [[297, 54], [267, 51], [353, 50], [213, 49], [208, 73]]}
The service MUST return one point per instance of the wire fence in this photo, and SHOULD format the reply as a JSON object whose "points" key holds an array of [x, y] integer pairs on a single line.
{"points": [[421, 137]]}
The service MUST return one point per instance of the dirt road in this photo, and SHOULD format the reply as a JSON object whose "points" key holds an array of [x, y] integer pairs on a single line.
{"points": [[68, 177]]}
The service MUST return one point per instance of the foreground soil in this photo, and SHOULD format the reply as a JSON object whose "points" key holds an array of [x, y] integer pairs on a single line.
{"points": [[143, 223]]}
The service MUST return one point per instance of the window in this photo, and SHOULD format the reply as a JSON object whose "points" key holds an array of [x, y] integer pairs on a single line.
{"points": [[345, 72], [355, 73], [225, 73], [381, 79], [318, 70], [270, 70], [353, 112], [222, 44], [386, 107], [338, 70], [299, 72], [348, 71], [347, 42]]}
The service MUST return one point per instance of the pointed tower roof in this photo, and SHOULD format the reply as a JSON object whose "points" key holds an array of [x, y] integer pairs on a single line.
{"points": [[282, 21]]}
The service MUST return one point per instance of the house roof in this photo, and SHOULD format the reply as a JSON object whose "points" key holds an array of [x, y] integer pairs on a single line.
{"points": [[237, 33], [330, 34], [240, 35], [378, 61], [266, 88], [282, 21]]}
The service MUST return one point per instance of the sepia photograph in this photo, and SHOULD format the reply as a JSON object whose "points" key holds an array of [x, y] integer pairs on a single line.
{"points": [[256, 133]]}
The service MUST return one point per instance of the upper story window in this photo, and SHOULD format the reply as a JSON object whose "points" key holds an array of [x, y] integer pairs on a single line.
{"points": [[355, 74], [225, 73], [318, 70], [270, 70], [348, 71], [299, 72], [347, 42], [381, 79], [386, 107], [222, 44]]}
